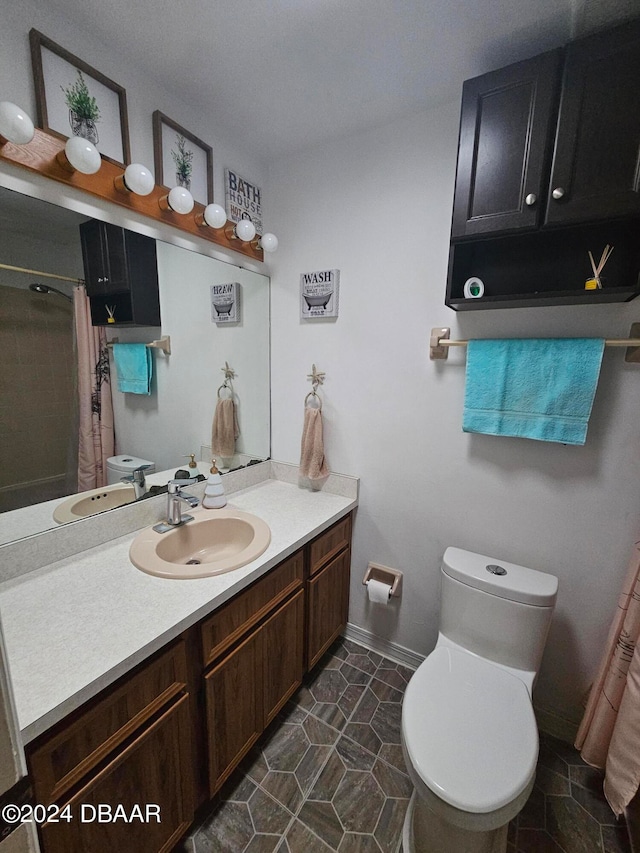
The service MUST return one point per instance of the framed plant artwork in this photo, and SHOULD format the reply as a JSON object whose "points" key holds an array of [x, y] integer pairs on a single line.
{"points": [[73, 99], [181, 159]]}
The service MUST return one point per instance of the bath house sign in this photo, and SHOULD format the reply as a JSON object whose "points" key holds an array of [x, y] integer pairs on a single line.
{"points": [[319, 294]]}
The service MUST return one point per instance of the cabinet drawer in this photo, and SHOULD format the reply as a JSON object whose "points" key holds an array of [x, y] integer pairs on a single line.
{"points": [[61, 759], [231, 620], [328, 544]]}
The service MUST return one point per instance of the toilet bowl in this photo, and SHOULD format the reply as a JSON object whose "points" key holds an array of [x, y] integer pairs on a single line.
{"points": [[469, 734]]}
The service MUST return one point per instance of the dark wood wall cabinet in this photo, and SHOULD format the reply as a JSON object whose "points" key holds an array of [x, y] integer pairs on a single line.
{"points": [[548, 170], [170, 732], [121, 272]]}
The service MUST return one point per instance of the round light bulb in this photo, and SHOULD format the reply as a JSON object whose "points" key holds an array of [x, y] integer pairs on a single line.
{"points": [[269, 242], [138, 179], [15, 124], [82, 155], [246, 230], [215, 216], [180, 200]]}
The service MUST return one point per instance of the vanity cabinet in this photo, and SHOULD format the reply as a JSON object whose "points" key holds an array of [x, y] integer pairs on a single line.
{"points": [[548, 171], [172, 731], [129, 747], [328, 589], [121, 272], [256, 643]]}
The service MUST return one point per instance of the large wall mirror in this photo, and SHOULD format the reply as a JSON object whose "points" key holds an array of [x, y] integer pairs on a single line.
{"points": [[38, 410]]}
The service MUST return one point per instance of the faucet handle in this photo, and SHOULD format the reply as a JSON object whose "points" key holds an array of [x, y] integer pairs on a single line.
{"points": [[174, 486]]}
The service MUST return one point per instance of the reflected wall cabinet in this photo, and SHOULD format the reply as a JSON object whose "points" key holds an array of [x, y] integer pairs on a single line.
{"points": [[548, 170], [121, 272]]}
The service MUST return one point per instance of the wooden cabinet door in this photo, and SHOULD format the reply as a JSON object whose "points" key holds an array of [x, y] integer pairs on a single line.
{"points": [[105, 263], [283, 650], [233, 691], [327, 606], [596, 165], [155, 769], [505, 136]]}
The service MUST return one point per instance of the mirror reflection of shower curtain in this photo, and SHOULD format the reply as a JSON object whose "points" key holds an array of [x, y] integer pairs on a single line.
{"points": [[95, 409], [36, 425]]}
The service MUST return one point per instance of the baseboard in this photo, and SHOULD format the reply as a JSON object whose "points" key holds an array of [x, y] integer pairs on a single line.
{"points": [[551, 723], [393, 651]]}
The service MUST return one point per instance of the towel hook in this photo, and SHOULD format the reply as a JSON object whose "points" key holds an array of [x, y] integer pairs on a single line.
{"points": [[229, 374], [317, 378]]}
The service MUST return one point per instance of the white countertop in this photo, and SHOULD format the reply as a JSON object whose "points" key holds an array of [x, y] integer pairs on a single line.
{"points": [[77, 625]]}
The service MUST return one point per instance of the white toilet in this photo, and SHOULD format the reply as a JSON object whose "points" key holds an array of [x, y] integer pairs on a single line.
{"points": [[124, 465], [469, 735]]}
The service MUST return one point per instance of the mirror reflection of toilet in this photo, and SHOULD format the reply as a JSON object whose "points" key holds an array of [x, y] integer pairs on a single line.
{"points": [[469, 734]]}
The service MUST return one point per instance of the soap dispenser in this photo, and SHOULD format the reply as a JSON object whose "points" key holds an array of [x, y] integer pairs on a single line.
{"points": [[214, 490], [193, 465]]}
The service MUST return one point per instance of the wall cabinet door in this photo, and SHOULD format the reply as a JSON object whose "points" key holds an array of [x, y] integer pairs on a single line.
{"points": [[103, 253], [282, 651], [506, 126], [154, 769], [233, 695], [328, 606], [596, 165]]}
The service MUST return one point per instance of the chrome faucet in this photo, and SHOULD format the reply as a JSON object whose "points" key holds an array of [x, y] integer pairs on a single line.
{"points": [[174, 509], [137, 480]]}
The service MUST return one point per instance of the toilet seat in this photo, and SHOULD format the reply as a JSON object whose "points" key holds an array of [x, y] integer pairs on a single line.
{"points": [[469, 731]]}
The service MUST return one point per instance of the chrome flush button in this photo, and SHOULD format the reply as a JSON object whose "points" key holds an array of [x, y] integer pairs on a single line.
{"points": [[496, 570]]}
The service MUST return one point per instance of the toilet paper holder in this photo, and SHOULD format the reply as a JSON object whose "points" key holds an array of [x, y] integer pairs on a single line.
{"points": [[384, 574]]}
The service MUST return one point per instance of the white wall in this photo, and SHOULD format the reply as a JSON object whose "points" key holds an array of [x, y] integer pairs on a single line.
{"points": [[377, 206]]}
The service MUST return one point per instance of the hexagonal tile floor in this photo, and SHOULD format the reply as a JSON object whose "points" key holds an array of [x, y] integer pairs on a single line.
{"points": [[328, 775]]}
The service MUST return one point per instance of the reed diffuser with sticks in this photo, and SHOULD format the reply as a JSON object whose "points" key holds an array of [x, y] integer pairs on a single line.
{"points": [[595, 283]]}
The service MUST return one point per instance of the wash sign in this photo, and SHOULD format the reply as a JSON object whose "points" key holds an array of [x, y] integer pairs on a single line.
{"points": [[243, 198], [319, 294]]}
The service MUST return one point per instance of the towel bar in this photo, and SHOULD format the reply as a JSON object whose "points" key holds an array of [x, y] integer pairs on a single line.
{"points": [[439, 343], [164, 344]]}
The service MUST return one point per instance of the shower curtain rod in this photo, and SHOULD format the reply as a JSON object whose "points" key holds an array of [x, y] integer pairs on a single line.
{"points": [[42, 274]]}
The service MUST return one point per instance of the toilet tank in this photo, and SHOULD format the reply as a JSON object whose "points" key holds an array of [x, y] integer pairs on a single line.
{"points": [[497, 610]]}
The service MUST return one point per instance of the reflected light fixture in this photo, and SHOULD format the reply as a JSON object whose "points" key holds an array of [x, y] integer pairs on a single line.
{"points": [[79, 155], [179, 200], [136, 179], [15, 124], [214, 215]]}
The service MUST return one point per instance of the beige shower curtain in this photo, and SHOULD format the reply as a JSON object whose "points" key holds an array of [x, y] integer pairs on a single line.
{"points": [[609, 735], [95, 408]]}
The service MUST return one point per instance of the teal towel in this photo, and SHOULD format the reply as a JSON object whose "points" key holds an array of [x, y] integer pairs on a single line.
{"points": [[541, 389], [134, 368]]}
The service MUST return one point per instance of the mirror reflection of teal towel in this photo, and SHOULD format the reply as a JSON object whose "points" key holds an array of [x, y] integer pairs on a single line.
{"points": [[532, 388], [134, 368]]}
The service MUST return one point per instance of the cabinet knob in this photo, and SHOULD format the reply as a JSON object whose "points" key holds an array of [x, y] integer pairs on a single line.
{"points": [[531, 199], [100, 279], [558, 193]]}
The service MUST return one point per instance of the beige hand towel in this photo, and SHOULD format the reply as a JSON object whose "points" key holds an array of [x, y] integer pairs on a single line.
{"points": [[225, 428], [312, 462]]}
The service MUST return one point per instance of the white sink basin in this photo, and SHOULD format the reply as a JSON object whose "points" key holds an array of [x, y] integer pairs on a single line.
{"points": [[216, 541], [94, 501]]}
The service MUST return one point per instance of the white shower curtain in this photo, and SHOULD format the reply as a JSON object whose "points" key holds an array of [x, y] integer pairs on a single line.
{"points": [[95, 409]]}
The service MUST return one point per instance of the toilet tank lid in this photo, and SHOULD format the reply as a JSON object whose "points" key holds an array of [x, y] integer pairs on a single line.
{"points": [[518, 583], [125, 462]]}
